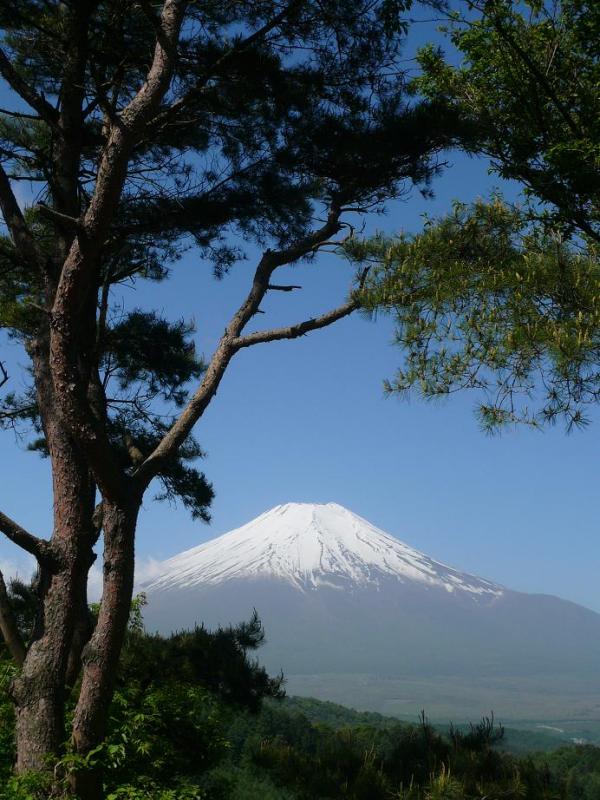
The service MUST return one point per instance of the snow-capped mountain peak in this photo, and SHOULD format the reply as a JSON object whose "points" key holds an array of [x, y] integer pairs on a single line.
{"points": [[310, 545]]}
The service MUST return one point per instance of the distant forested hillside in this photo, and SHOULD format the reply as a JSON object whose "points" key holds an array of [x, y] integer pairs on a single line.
{"points": [[196, 718], [524, 739]]}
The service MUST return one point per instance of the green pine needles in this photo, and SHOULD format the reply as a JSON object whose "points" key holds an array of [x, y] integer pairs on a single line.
{"points": [[483, 299]]}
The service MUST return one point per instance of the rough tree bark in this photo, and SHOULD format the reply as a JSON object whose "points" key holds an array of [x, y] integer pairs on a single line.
{"points": [[39, 691], [101, 654]]}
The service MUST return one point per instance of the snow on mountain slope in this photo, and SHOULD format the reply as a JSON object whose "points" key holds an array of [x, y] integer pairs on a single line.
{"points": [[309, 545]]}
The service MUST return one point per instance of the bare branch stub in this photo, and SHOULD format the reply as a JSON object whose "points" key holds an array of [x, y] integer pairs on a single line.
{"points": [[276, 287], [61, 219], [3, 374], [308, 325]]}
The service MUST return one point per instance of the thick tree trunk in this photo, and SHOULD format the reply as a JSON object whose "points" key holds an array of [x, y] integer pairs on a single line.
{"points": [[101, 654], [39, 691]]}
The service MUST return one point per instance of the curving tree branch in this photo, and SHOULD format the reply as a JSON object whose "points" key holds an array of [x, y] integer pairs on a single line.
{"points": [[36, 101], [40, 548], [308, 325], [79, 270], [299, 329], [15, 221], [230, 341]]}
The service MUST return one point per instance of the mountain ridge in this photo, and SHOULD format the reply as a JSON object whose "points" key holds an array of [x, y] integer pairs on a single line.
{"points": [[311, 545], [353, 615]]}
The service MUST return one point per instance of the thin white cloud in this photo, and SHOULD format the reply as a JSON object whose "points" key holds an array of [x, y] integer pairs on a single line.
{"points": [[95, 584], [22, 568], [145, 569]]}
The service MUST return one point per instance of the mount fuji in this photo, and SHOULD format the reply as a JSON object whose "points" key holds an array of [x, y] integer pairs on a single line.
{"points": [[352, 614], [309, 546]]}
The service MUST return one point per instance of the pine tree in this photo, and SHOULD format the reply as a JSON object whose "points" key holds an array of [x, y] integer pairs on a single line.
{"points": [[145, 126]]}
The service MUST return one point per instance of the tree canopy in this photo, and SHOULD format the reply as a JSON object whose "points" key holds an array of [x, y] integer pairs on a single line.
{"points": [[483, 300], [526, 85]]}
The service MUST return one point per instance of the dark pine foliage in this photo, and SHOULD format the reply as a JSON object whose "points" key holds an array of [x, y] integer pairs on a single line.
{"points": [[218, 660]]}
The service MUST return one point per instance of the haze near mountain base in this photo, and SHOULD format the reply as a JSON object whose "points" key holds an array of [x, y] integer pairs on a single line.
{"points": [[354, 615]]}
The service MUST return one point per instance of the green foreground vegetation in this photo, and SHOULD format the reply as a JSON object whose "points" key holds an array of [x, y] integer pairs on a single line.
{"points": [[195, 717]]}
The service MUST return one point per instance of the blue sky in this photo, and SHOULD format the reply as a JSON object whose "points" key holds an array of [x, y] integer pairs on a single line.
{"points": [[308, 421]]}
